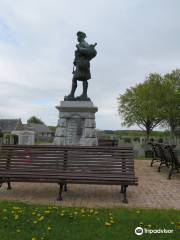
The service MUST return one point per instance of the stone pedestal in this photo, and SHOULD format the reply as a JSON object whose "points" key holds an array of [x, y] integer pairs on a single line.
{"points": [[76, 124]]}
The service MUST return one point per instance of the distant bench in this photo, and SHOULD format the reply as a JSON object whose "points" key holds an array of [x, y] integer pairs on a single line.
{"points": [[107, 142], [166, 156], [63, 165]]}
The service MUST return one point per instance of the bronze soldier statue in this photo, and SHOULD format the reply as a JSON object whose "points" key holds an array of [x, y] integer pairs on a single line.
{"points": [[81, 68]]}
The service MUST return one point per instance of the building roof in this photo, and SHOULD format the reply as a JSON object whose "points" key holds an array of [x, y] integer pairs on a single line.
{"points": [[38, 128], [9, 125]]}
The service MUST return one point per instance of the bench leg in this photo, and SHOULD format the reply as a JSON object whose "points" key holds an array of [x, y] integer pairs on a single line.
{"points": [[65, 187], [170, 173], [125, 195], [152, 161], [122, 189], [9, 185], [59, 198], [159, 168], [172, 170]]}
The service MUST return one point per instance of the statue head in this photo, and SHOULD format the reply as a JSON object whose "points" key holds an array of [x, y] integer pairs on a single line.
{"points": [[81, 36]]}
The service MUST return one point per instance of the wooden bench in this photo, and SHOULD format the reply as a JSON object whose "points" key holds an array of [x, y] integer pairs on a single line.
{"points": [[166, 155], [156, 153], [174, 160], [63, 165], [107, 142]]}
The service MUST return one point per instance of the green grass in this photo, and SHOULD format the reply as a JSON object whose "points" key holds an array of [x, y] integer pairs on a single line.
{"points": [[41, 142], [19, 221]]}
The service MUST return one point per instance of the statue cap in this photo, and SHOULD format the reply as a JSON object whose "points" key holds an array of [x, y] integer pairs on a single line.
{"points": [[79, 33]]}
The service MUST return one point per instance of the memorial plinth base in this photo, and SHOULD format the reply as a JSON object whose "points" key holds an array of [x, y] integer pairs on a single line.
{"points": [[76, 124]]}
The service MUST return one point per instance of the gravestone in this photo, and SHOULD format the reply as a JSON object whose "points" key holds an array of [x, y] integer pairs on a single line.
{"points": [[76, 124]]}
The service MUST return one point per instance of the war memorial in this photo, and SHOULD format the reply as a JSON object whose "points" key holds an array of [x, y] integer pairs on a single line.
{"points": [[77, 123]]}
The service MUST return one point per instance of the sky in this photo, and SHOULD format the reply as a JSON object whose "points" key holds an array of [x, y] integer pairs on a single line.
{"points": [[38, 39]]}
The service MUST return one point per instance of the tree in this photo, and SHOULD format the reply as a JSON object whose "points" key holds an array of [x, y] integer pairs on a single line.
{"points": [[34, 119], [142, 105], [171, 111]]}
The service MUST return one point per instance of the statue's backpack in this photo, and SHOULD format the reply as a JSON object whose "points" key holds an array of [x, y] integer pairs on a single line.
{"points": [[92, 51]]}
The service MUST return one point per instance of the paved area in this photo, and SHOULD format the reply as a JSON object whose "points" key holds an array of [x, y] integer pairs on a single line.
{"points": [[154, 191]]}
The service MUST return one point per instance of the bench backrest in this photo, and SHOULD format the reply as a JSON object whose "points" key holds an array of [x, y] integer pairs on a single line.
{"points": [[40, 158], [172, 154], [155, 150], [164, 152], [107, 142]]}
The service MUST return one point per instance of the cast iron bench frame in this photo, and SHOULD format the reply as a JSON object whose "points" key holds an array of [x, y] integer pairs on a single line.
{"points": [[156, 153]]}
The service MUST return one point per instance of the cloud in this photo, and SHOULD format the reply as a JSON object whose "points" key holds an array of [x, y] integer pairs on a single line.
{"points": [[37, 42]]}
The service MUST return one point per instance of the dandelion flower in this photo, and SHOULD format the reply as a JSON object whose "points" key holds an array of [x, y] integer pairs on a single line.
{"points": [[41, 218], [47, 212], [108, 224], [82, 210]]}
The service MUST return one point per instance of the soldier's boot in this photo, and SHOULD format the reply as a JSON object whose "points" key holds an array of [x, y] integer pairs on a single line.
{"points": [[85, 87], [83, 96], [73, 89]]}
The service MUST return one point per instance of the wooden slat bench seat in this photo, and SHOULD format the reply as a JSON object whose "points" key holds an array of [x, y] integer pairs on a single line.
{"points": [[68, 164]]}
